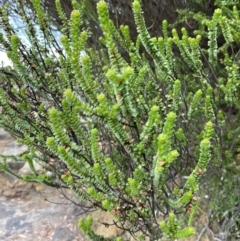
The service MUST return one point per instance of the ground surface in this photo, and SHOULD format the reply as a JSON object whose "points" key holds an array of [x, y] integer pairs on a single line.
{"points": [[25, 215]]}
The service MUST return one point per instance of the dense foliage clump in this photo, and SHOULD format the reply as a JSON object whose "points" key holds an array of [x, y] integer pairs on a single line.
{"points": [[131, 126]]}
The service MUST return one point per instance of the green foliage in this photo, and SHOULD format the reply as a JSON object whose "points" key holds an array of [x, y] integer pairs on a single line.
{"points": [[171, 229], [122, 130]]}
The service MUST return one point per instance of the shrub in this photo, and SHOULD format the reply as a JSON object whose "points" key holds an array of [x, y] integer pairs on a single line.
{"points": [[119, 126]]}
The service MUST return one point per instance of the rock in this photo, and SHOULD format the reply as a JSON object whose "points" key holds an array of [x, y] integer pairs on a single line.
{"points": [[5, 140], [15, 192], [5, 213], [27, 170], [4, 181], [39, 187], [20, 184], [24, 213], [13, 149], [18, 223], [9, 147], [10, 193], [63, 234], [22, 219], [100, 229], [15, 166]]}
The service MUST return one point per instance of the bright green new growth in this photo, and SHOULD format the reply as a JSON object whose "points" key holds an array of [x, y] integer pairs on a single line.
{"points": [[123, 129], [172, 231]]}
